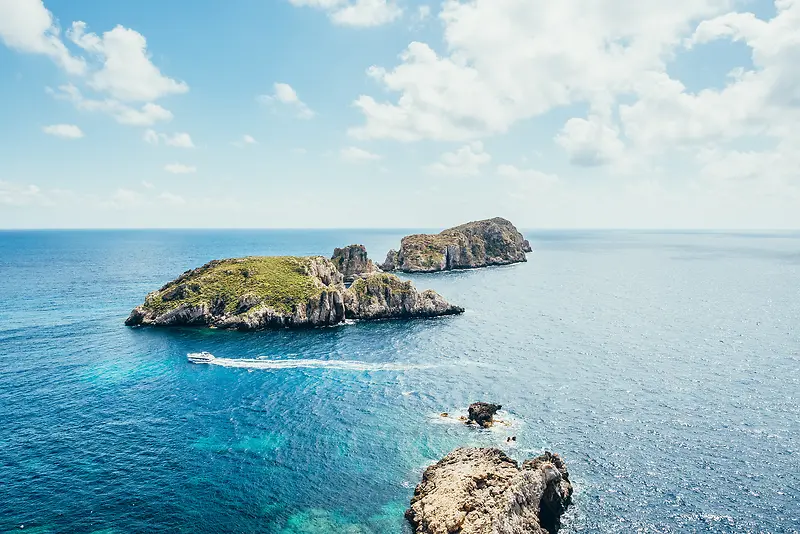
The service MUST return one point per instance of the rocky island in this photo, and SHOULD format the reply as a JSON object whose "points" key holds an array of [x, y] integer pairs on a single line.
{"points": [[475, 244], [257, 293], [483, 491]]}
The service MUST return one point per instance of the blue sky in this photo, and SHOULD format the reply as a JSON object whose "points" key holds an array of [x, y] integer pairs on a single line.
{"points": [[399, 113]]}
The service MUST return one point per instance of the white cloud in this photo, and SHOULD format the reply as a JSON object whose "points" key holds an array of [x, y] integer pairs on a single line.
{"points": [[590, 142], [357, 155], [66, 131], [180, 168], [180, 139], [122, 199], [27, 26], [466, 161], [363, 13], [244, 141], [527, 178], [286, 95], [172, 199], [147, 115], [127, 73], [147, 185], [515, 59], [119, 67], [367, 13], [323, 4], [151, 137], [423, 12], [12, 194]]}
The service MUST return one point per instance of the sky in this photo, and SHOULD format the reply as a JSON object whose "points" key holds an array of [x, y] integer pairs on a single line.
{"points": [[400, 113]]}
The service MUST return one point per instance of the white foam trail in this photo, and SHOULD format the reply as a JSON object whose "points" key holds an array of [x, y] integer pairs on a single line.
{"points": [[343, 365]]}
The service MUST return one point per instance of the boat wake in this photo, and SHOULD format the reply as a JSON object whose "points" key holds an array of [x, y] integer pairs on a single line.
{"points": [[343, 365]]}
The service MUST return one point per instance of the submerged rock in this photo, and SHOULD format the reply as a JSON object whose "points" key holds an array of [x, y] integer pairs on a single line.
{"points": [[482, 413], [352, 262], [475, 244], [483, 491], [384, 295], [257, 293]]}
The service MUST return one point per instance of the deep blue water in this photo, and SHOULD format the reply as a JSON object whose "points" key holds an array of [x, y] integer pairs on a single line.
{"points": [[664, 367]]}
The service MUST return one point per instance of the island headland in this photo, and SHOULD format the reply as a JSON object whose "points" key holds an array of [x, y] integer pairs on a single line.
{"points": [[468, 246]]}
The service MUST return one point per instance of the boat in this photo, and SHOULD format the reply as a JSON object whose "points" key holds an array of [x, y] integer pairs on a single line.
{"points": [[200, 357]]}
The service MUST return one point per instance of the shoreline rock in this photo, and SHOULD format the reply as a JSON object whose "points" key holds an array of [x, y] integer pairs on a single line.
{"points": [[257, 293], [482, 413], [483, 491], [468, 246]]}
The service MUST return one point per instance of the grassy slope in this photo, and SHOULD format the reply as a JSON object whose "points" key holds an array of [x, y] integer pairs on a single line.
{"points": [[281, 282]]}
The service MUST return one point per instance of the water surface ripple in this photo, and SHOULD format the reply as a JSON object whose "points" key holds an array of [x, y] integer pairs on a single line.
{"points": [[663, 366]]}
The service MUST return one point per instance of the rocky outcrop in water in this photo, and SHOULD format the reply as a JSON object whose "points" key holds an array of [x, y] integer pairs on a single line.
{"points": [[482, 413], [390, 264], [352, 262], [483, 491], [384, 295], [475, 244], [280, 292]]}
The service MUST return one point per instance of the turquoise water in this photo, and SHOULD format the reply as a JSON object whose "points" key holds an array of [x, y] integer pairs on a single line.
{"points": [[663, 366]]}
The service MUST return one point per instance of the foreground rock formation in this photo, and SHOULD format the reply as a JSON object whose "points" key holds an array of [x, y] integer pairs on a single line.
{"points": [[475, 244], [483, 491], [352, 262], [279, 292], [482, 413]]}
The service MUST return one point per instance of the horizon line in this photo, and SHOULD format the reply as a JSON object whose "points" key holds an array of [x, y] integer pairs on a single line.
{"points": [[384, 228]]}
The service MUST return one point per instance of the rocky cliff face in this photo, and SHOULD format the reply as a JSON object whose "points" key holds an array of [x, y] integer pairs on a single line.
{"points": [[483, 491], [475, 244], [280, 292], [352, 262], [383, 295], [390, 264]]}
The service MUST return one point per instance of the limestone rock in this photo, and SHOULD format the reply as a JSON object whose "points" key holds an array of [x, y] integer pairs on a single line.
{"points": [[391, 261], [475, 244], [352, 262], [482, 413], [384, 295], [483, 491]]}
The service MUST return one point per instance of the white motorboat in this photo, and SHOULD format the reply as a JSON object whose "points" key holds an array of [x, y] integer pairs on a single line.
{"points": [[200, 357]]}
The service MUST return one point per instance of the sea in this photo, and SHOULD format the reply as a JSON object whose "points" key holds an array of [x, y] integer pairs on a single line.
{"points": [[664, 367]]}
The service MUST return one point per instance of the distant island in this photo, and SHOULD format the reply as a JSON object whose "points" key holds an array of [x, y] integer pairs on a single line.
{"points": [[471, 245], [257, 293]]}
